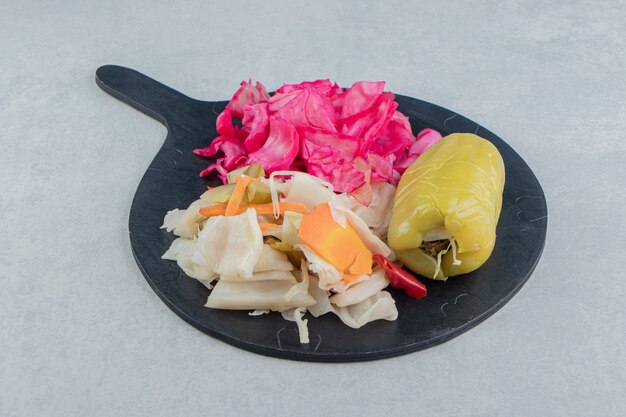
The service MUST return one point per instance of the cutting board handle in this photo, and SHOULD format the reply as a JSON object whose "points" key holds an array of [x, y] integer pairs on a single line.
{"points": [[142, 92]]}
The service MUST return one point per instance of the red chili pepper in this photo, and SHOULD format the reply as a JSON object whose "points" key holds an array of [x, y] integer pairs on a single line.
{"points": [[399, 278]]}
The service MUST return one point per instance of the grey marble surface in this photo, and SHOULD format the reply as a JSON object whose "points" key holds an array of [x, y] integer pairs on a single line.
{"points": [[82, 333]]}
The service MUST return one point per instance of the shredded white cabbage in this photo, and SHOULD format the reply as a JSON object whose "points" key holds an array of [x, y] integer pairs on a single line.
{"points": [[274, 194], [171, 219], [362, 290], [296, 314], [438, 268], [208, 283], [328, 275], [344, 285], [322, 298], [303, 188], [230, 245], [274, 188], [378, 214], [379, 306], [308, 190], [455, 261], [184, 223], [438, 233], [254, 295], [258, 312], [181, 251], [338, 212], [291, 225], [272, 260], [301, 288], [228, 256], [276, 275], [303, 329]]}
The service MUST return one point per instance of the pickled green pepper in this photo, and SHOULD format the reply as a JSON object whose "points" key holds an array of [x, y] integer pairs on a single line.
{"points": [[447, 206]]}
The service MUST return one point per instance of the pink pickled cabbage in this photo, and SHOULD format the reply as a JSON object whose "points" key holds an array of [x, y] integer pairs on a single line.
{"points": [[425, 138], [360, 97], [247, 94], [325, 87], [304, 108], [280, 149], [256, 125], [350, 138]]}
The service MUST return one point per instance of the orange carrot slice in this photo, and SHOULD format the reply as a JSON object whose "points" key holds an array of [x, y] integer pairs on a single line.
{"points": [[339, 246], [214, 210], [261, 209], [238, 194], [268, 208]]}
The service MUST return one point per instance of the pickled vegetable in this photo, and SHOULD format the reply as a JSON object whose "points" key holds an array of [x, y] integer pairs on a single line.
{"points": [[446, 207]]}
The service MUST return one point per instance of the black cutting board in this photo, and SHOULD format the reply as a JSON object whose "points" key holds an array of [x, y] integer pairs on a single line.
{"points": [[450, 308]]}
